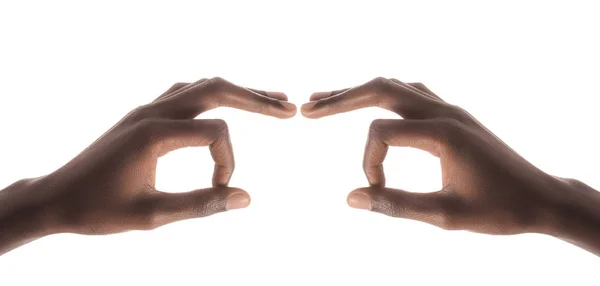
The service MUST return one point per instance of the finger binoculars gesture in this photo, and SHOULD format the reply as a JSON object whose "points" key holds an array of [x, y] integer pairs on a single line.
{"points": [[486, 186]]}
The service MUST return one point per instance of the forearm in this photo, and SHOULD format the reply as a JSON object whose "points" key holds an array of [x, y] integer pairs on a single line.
{"points": [[23, 217], [577, 217]]}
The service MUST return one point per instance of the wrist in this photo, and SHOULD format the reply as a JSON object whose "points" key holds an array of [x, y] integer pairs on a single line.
{"points": [[25, 214], [574, 214], [45, 212]]}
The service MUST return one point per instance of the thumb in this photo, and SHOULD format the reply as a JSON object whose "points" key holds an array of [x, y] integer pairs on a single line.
{"points": [[163, 208], [438, 208]]}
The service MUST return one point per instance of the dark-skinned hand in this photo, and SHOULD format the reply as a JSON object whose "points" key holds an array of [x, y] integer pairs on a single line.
{"points": [[109, 187], [487, 186]]}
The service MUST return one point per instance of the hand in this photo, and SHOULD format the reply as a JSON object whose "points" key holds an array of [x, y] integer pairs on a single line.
{"points": [[487, 186], [109, 187]]}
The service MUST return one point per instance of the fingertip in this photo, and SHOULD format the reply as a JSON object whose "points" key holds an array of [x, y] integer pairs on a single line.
{"points": [[280, 109], [290, 109], [359, 199], [237, 199], [307, 110]]}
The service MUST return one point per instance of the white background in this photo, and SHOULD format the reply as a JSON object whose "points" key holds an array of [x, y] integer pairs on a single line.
{"points": [[527, 70]]}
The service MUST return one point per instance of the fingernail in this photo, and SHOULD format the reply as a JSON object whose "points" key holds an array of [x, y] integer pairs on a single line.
{"points": [[359, 201], [320, 95], [237, 201], [277, 95], [289, 106], [306, 108]]}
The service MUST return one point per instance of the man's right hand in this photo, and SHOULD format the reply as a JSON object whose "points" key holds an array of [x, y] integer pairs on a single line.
{"points": [[109, 187]]}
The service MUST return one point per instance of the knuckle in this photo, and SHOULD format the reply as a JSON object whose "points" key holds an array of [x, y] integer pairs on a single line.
{"points": [[367, 168], [448, 124], [448, 128], [456, 109], [383, 90], [575, 183], [147, 126], [380, 80], [419, 85], [217, 79], [220, 126], [178, 85], [217, 82], [371, 170], [380, 83], [221, 153], [147, 131], [139, 113], [147, 214], [228, 171], [379, 127], [138, 109], [459, 113], [216, 87]]}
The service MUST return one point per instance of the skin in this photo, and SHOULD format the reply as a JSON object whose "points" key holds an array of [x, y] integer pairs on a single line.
{"points": [[487, 186], [109, 187]]}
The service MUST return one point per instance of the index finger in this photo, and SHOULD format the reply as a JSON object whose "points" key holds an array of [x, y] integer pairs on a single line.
{"points": [[217, 92], [421, 134], [379, 92]]}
